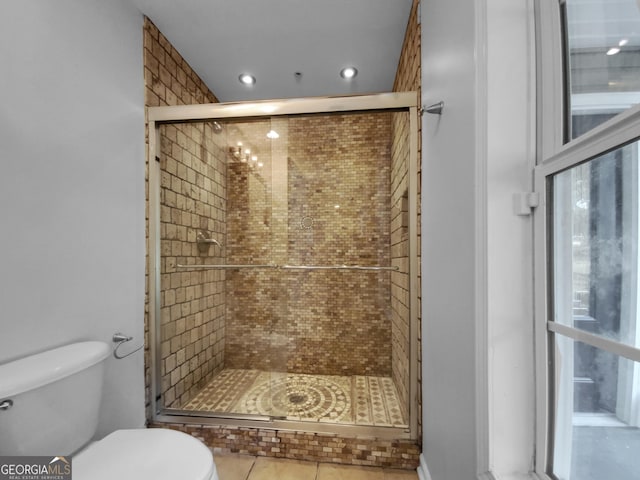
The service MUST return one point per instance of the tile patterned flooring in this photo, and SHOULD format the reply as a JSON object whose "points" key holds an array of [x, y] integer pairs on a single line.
{"points": [[245, 467], [359, 400]]}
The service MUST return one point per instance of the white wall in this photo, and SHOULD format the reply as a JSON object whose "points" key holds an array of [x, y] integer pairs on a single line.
{"points": [[478, 413], [72, 185], [448, 240], [510, 120]]}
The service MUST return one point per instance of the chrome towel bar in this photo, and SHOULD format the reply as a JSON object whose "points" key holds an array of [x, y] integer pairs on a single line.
{"points": [[294, 267], [337, 267], [227, 267]]}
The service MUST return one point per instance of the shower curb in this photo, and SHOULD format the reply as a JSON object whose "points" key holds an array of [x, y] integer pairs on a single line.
{"points": [[315, 447]]}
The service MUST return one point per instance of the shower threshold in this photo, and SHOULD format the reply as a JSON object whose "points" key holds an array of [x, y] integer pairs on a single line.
{"points": [[331, 399]]}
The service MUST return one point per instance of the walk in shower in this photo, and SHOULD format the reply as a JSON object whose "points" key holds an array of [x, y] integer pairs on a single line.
{"points": [[283, 262]]}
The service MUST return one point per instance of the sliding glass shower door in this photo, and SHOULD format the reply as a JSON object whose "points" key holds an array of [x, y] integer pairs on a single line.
{"points": [[284, 272]]}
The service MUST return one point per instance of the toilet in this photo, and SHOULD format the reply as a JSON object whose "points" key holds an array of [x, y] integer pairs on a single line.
{"points": [[49, 405]]}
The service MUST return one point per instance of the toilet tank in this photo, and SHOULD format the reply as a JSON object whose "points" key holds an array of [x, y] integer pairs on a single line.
{"points": [[49, 402]]}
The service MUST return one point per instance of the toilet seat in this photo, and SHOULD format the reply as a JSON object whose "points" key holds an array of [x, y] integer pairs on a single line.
{"points": [[145, 454]]}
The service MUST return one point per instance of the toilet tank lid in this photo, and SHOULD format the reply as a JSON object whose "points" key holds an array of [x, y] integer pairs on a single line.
{"points": [[34, 371]]}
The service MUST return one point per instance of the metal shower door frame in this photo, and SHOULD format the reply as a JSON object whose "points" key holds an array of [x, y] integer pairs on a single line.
{"points": [[400, 101]]}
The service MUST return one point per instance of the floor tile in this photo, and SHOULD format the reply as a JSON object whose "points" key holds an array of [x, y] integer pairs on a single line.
{"points": [[395, 474], [327, 471], [232, 466], [320, 398], [281, 469]]}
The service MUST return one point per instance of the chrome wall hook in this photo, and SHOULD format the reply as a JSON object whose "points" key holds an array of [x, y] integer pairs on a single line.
{"points": [[435, 109], [119, 337]]}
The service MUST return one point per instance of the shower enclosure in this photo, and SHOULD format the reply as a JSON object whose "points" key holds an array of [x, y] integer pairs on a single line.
{"points": [[283, 263]]}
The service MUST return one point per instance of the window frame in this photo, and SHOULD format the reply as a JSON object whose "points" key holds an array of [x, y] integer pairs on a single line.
{"points": [[557, 152]]}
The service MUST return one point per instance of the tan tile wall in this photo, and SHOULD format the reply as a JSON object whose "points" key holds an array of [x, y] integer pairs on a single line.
{"points": [[408, 78], [169, 80], [192, 303], [400, 315], [316, 447], [331, 323], [257, 229], [342, 319]]}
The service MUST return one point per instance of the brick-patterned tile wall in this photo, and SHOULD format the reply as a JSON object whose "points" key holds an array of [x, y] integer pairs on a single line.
{"points": [[408, 78], [169, 80], [192, 303], [257, 229], [341, 319], [322, 197], [316, 447], [400, 314]]}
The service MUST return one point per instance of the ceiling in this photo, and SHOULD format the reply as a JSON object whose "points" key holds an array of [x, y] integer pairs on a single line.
{"points": [[274, 39]]}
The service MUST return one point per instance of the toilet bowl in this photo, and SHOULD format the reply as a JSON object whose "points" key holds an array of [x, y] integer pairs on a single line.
{"points": [[145, 454], [49, 405]]}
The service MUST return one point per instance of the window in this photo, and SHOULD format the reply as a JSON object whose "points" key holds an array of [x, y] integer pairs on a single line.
{"points": [[588, 240], [601, 41]]}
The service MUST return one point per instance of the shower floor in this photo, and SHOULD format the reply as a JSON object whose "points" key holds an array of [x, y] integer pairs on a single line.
{"points": [[357, 400]]}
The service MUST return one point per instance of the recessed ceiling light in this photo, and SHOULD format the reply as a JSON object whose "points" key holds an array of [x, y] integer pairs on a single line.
{"points": [[272, 134], [247, 79], [348, 73], [623, 42], [613, 51]]}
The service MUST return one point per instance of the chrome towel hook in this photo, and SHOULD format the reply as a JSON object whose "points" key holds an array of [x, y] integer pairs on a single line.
{"points": [[119, 339]]}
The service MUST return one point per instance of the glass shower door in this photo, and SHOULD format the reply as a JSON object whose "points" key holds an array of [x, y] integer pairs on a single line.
{"points": [[256, 340], [222, 338], [284, 268]]}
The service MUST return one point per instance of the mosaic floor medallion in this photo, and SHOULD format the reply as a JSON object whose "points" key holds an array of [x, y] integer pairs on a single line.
{"points": [[303, 397], [360, 400]]}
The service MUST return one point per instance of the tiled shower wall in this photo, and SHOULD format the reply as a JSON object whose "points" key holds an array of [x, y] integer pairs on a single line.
{"points": [[192, 303], [187, 359], [257, 229], [400, 316], [339, 172], [329, 204], [408, 78]]}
